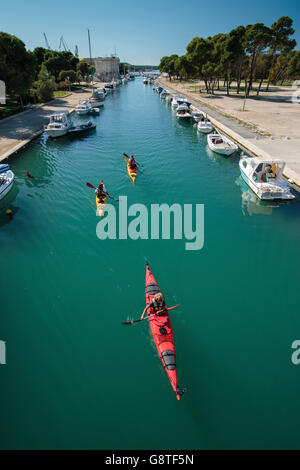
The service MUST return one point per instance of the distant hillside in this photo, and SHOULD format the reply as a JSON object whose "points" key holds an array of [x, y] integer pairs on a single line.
{"points": [[143, 67]]}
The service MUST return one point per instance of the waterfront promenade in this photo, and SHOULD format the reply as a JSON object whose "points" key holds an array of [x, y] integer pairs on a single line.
{"points": [[269, 129], [16, 131]]}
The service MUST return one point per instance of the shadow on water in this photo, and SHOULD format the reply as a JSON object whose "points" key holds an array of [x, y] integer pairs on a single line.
{"points": [[251, 203], [7, 203]]}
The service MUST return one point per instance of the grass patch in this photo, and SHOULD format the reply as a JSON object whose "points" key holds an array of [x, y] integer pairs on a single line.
{"points": [[60, 94], [11, 107]]}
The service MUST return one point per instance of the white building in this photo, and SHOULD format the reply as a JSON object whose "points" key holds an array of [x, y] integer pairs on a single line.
{"points": [[107, 68]]}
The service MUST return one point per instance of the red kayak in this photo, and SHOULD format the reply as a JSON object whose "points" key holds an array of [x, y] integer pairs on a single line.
{"points": [[162, 333]]}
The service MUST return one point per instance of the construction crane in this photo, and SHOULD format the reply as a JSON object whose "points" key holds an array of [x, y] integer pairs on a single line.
{"points": [[89, 37], [47, 42], [62, 43]]}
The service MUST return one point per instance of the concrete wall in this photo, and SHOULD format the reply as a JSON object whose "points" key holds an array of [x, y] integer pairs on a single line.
{"points": [[107, 68]]}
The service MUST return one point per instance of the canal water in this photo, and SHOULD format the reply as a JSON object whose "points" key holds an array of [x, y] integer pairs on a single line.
{"points": [[75, 377]]}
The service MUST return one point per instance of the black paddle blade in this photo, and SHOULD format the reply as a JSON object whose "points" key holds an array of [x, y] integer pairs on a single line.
{"points": [[127, 322]]}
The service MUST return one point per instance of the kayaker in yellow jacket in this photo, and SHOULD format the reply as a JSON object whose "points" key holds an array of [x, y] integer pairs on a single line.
{"points": [[132, 163], [157, 303], [101, 194]]}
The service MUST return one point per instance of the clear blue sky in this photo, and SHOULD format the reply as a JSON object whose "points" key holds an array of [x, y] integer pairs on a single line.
{"points": [[142, 31]]}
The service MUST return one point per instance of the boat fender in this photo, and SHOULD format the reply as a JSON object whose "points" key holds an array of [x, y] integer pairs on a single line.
{"points": [[9, 213]]}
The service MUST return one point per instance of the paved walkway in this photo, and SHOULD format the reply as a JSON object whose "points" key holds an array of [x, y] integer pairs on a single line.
{"points": [[266, 148], [18, 130]]}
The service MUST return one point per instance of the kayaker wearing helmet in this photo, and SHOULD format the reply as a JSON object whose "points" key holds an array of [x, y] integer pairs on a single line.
{"points": [[101, 194], [158, 304], [132, 163]]}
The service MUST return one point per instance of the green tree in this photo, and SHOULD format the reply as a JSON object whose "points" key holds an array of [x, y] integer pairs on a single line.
{"points": [[167, 65], [17, 66], [258, 37], [280, 41], [123, 69], [58, 61], [68, 75], [84, 69], [183, 67]]}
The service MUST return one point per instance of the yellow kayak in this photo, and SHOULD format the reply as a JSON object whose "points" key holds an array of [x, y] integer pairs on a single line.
{"points": [[132, 173], [101, 204]]}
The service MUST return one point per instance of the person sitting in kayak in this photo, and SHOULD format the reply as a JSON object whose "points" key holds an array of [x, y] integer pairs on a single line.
{"points": [[158, 304], [132, 163], [101, 194]]}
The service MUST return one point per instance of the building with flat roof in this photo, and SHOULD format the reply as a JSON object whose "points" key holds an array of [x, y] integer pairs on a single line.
{"points": [[107, 68]]}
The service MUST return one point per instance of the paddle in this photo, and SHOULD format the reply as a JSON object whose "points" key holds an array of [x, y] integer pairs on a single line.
{"points": [[138, 165], [149, 316], [93, 187]]}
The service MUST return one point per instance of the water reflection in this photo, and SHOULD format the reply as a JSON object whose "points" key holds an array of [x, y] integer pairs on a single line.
{"points": [[251, 204]]}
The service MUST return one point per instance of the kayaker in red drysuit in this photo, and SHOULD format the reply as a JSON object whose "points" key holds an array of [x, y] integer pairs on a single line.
{"points": [[158, 304]]}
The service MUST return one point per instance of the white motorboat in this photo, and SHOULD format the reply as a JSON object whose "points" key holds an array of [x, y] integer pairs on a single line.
{"points": [[221, 144], [183, 112], [109, 87], [102, 90], [6, 180], [175, 100], [265, 178], [83, 107], [145, 81], [59, 124], [205, 126], [198, 115], [97, 99]]}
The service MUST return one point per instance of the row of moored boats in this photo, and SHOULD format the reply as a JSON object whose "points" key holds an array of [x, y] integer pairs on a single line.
{"points": [[264, 177]]}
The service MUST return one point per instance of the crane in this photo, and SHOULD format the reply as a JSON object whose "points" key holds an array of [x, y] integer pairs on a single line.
{"points": [[62, 43], [47, 42]]}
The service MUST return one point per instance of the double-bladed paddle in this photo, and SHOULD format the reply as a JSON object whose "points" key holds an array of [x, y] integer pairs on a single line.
{"points": [[130, 322]]}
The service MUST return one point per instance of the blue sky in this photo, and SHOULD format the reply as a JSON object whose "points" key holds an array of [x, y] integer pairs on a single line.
{"points": [[141, 31]]}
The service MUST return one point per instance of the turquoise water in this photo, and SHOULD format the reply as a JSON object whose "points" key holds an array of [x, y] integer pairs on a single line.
{"points": [[76, 378]]}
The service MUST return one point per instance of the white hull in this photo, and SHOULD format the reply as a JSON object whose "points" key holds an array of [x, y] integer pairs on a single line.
{"points": [[56, 132], [96, 103], [275, 189], [184, 117], [226, 148], [6, 187], [205, 128]]}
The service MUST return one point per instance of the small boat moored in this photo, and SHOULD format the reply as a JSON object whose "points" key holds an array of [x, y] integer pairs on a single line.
{"points": [[82, 128], [6, 179], [265, 178], [59, 124], [183, 112], [205, 126], [221, 144], [83, 107], [97, 99]]}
